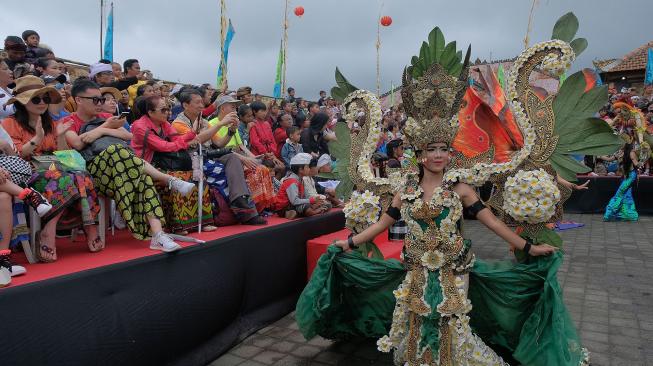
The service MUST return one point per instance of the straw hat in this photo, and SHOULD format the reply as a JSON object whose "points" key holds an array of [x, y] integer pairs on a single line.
{"points": [[117, 95], [28, 87]]}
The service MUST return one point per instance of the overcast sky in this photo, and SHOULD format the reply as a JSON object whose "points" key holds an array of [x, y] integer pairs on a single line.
{"points": [[179, 40]]}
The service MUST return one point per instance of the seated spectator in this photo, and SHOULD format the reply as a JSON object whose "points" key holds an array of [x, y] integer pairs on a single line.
{"points": [[281, 132], [145, 90], [291, 200], [6, 78], [133, 77], [117, 172], [71, 193], [123, 102], [224, 173], [33, 51], [312, 139], [256, 175], [262, 140], [16, 48], [322, 101], [244, 94], [153, 135], [48, 67], [395, 152], [290, 98], [246, 117], [102, 74], [110, 106], [273, 113], [14, 174], [57, 110], [292, 146], [117, 71]]}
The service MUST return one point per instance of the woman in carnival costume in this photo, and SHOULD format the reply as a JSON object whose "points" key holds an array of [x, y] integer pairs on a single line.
{"points": [[422, 308], [636, 152]]}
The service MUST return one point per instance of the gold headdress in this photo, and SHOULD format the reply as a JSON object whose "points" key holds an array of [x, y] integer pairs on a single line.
{"points": [[432, 101]]}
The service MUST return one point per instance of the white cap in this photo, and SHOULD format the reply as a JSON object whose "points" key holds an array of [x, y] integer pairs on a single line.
{"points": [[98, 68], [325, 159], [301, 159]]}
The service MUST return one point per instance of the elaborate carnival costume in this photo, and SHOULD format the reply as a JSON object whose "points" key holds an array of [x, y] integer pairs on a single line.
{"points": [[622, 205], [426, 302]]}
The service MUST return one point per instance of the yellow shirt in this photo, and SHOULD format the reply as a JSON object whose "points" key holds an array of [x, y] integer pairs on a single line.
{"points": [[235, 141]]}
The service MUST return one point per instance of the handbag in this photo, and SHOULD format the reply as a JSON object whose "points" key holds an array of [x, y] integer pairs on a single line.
{"points": [[46, 162], [169, 161], [102, 143], [71, 160]]}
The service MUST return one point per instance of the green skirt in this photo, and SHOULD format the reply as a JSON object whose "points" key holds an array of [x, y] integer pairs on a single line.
{"points": [[516, 307]]}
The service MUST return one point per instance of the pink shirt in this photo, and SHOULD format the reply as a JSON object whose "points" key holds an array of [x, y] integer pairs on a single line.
{"points": [[160, 139]]}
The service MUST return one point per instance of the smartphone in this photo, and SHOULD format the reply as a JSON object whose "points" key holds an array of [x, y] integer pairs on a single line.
{"points": [[124, 115]]}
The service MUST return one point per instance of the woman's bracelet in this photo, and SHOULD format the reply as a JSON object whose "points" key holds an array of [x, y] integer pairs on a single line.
{"points": [[350, 242], [527, 245]]}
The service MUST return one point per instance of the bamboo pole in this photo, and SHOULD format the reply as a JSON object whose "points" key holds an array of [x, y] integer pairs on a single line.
{"points": [[285, 49], [530, 24], [101, 28], [223, 36]]}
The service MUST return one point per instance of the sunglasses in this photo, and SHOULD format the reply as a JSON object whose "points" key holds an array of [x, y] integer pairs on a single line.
{"points": [[96, 100], [38, 99], [165, 110]]}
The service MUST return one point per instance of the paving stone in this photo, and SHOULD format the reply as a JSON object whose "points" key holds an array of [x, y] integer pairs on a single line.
{"points": [[227, 360], [605, 279], [246, 351], [268, 357], [306, 351]]}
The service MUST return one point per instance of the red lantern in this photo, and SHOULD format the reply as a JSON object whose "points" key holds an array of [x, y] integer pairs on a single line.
{"points": [[386, 21], [299, 11]]}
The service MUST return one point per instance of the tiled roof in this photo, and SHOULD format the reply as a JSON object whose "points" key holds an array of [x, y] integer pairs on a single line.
{"points": [[634, 60]]}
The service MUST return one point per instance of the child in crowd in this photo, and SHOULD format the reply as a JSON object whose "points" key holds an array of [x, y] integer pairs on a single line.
{"points": [[281, 131], [323, 165], [292, 146], [291, 200], [313, 189], [246, 117]]}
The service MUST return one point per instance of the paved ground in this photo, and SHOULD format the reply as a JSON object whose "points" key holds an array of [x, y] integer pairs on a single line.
{"points": [[607, 280]]}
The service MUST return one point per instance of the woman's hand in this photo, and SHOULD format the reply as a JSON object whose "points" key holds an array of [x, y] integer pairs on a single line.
{"points": [[38, 129], [342, 244], [249, 163], [542, 249], [581, 187], [4, 176], [194, 142], [63, 127]]}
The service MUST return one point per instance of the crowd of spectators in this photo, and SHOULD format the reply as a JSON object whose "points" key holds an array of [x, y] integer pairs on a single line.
{"points": [[629, 112], [71, 138]]}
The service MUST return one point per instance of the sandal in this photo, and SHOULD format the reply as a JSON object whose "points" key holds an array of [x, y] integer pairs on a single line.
{"points": [[40, 249], [52, 253], [96, 245]]}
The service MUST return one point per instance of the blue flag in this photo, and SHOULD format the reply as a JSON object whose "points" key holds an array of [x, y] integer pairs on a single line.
{"points": [[108, 40], [648, 79], [225, 51]]}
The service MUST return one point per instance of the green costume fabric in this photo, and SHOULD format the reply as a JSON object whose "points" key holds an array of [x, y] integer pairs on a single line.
{"points": [[516, 306]]}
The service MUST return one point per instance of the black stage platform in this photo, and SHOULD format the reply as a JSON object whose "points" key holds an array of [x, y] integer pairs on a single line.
{"points": [[185, 308], [601, 189]]}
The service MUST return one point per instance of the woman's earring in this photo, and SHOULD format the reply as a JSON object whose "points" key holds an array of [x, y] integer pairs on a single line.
{"points": [[423, 160]]}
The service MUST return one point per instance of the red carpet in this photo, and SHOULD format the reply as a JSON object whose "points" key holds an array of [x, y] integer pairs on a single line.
{"points": [[74, 256]]}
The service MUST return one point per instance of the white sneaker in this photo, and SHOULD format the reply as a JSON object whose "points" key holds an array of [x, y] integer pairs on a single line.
{"points": [[17, 270], [5, 277], [181, 186], [161, 241], [38, 202], [119, 222]]}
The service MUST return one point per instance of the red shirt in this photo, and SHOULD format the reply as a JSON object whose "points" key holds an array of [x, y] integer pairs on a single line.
{"points": [[160, 139], [261, 140], [280, 137], [78, 122]]}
